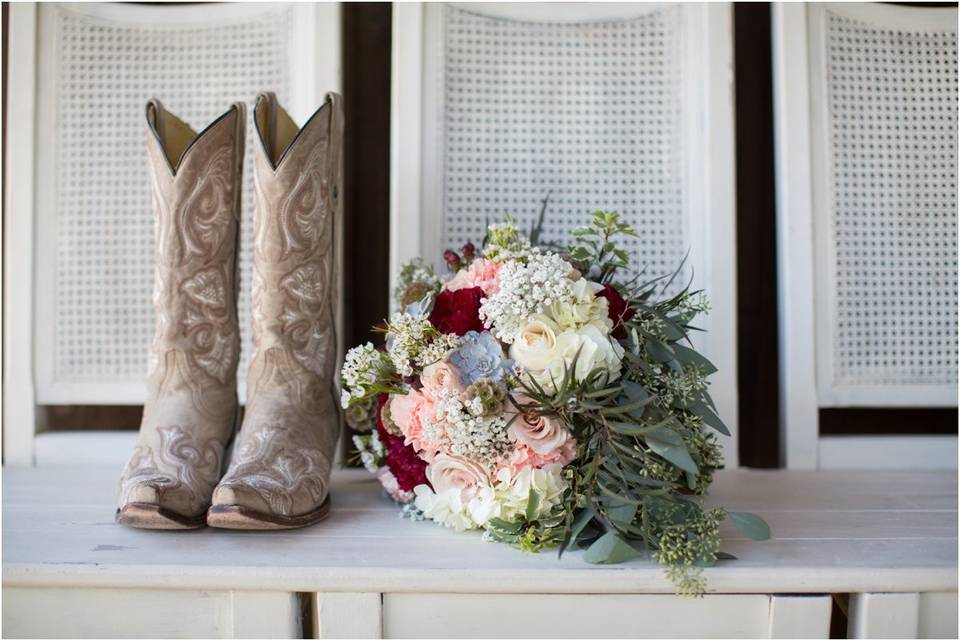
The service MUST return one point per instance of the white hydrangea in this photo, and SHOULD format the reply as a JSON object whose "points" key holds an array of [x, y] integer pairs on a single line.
{"points": [[527, 289], [362, 367], [506, 499], [509, 496], [586, 307], [447, 507]]}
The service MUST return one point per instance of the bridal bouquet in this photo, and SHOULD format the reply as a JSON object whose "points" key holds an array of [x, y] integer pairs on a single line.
{"points": [[542, 396]]}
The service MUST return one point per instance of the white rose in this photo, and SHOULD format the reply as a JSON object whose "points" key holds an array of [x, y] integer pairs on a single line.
{"points": [[536, 344], [597, 350], [585, 308]]}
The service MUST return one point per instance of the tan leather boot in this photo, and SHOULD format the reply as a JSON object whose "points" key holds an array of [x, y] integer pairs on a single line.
{"points": [[191, 405], [280, 471]]}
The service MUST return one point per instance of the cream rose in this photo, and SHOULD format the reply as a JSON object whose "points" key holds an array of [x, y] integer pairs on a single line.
{"points": [[536, 344], [546, 356], [447, 472], [437, 376]]}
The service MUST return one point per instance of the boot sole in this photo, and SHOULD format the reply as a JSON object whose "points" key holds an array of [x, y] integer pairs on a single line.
{"points": [[244, 518], [143, 515]]}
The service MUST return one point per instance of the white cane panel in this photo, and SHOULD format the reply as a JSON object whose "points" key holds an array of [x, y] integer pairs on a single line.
{"points": [[97, 225], [588, 111], [887, 283]]}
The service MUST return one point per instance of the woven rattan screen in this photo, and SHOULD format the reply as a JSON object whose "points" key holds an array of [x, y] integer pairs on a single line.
{"points": [[892, 197], [589, 112], [106, 68]]}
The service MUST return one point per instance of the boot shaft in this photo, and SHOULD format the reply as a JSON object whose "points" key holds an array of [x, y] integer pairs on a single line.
{"points": [[196, 185], [297, 176]]}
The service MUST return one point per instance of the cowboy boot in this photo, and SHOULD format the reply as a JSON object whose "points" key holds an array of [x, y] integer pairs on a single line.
{"points": [[280, 472], [191, 406]]}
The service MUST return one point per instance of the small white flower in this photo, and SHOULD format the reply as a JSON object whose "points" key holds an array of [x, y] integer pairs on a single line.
{"points": [[527, 288]]}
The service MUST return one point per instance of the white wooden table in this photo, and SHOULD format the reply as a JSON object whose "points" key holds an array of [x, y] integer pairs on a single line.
{"points": [[888, 539]]}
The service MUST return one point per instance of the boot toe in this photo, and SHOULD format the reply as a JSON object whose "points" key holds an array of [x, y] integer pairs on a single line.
{"points": [[237, 494]]}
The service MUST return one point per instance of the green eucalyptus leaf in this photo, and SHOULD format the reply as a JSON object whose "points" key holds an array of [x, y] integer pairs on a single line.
{"points": [[622, 514], [709, 417], [687, 355], [502, 526], [610, 548], [676, 454], [659, 351], [533, 503], [579, 523], [750, 525]]}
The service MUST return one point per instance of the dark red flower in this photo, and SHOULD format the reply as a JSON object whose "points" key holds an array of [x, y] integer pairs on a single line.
{"points": [[468, 250], [452, 259], [401, 459], [617, 309], [457, 311]]}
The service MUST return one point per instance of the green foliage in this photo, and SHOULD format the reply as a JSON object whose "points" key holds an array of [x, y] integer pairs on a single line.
{"points": [[647, 444], [594, 246]]}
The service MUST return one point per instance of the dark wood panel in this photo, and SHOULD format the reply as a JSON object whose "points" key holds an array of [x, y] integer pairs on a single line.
{"points": [[888, 421], [757, 345], [366, 97]]}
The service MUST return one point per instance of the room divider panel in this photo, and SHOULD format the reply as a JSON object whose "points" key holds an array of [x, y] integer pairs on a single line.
{"points": [[624, 107], [79, 272]]}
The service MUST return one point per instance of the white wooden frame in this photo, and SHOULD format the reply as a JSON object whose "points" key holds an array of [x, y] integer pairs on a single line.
{"points": [[30, 259], [803, 165], [416, 198]]}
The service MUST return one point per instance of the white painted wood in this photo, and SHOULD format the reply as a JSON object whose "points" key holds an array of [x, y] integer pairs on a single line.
{"points": [[888, 452], [829, 392], [265, 614], [84, 448], [836, 532], [406, 105], [794, 616], [798, 392], [140, 613], [804, 247], [938, 615], [883, 615], [712, 208], [347, 615], [417, 162], [19, 412], [454, 615]]}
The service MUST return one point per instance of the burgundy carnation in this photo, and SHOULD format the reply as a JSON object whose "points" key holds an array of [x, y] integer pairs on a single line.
{"points": [[617, 309], [402, 460], [458, 311]]}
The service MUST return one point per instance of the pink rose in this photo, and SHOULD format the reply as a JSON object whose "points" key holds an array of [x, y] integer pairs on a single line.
{"points": [[437, 376], [453, 472], [545, 435], [523, 456], [481, 273], [409, 412]]}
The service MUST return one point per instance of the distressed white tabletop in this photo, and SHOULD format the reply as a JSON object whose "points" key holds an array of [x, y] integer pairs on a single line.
{"points": [[832, 532]]}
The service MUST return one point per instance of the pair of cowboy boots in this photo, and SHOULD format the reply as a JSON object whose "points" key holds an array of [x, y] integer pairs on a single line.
{"points": [[278, 475]]}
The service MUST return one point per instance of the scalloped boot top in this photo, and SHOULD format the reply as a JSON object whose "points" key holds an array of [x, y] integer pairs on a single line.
{"points": [[191, 405], [279, 474]]}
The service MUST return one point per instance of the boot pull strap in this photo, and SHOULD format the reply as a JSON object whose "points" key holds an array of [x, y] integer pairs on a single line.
{"points": [[155, 119], [266, 122], [336, 138]]}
